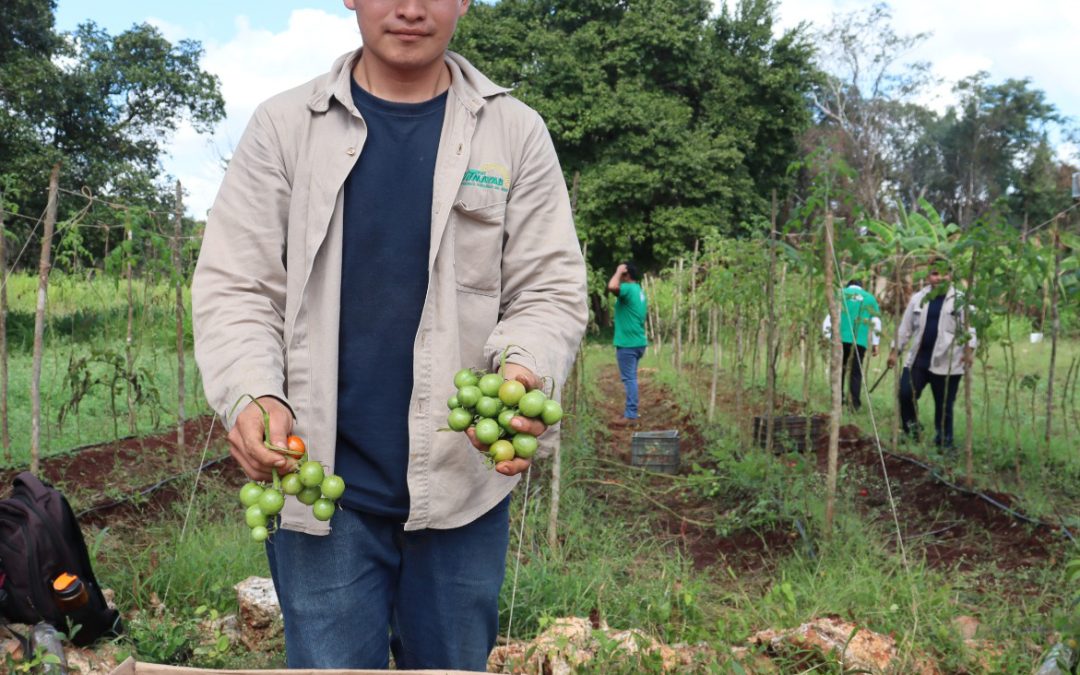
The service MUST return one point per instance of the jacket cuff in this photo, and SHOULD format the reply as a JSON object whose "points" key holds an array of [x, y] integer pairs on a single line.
{"points": [[241, 395], [516, 355]]}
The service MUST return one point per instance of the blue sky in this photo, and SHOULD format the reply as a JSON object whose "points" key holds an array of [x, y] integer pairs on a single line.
{"points": [[260, 48], [207, 19]]}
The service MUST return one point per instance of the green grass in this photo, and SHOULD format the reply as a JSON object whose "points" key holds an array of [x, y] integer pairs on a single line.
{"points": [[609, 558], [1004, 437], [85, 341], [172, 573]]}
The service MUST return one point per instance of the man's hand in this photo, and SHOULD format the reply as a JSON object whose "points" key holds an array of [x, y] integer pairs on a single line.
{"points": [[246, 439], [517, 465], [617, 278], [892, 358], [874, 351], [969, 358]]}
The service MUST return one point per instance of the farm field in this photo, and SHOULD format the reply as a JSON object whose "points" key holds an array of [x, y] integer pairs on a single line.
{"points": [[756, 193], [729, 546]]}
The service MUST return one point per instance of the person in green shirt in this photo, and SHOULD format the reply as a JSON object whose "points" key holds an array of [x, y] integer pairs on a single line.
{"points": [[630, 340], [860, 326]]}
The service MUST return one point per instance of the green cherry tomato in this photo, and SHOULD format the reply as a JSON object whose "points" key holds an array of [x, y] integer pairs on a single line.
{"points": [[532, 403], [525, 445], [501, 451], [290, 484], [487, 431], [468, 396], [309, 495], [271, 502], [311, 473], [552, 412], [322, 509], [489, 384], [504, 418], [259, 533], [333, 486], [488, 406], [511, 391], [459, 419], [254, 516], [464, 378], [453, 402], [249, 494]]}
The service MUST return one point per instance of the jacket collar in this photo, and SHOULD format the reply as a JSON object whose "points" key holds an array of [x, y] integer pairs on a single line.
{"points": [[469, 85]]}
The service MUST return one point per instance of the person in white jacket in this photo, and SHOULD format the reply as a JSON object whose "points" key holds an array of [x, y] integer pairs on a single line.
{"points": [[939, 352]]}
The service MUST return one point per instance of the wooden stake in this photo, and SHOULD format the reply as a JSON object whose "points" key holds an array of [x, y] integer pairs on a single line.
{"points": [[129, 340], [770, 333], [969, 419], [579, 375], [1055, 327], [837, 357], [44, 266], [5, 435], [181, 413]]}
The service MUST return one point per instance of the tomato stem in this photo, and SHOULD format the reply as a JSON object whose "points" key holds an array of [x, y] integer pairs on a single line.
{"points": [[502, 358], [266, 425]]}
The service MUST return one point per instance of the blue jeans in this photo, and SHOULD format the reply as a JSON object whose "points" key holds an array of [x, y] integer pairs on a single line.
{"points": [[627, 358], [369, 587]]}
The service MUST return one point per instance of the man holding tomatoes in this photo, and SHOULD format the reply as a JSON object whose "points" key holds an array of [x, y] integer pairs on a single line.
{"points": [[630, 341], [379, 228], [938, 352]]}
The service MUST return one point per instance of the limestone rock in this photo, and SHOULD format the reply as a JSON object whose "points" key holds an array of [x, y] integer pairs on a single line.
{"points": [[261, 626], [572, 643], [830, 640]]}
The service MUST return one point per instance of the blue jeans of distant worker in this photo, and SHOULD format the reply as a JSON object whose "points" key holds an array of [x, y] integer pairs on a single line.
{"points": [[627, 358], [369, 587], [944, 387]]}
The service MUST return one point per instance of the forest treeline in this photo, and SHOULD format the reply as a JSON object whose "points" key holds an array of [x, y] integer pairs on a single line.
{"points": [[673, 122]]}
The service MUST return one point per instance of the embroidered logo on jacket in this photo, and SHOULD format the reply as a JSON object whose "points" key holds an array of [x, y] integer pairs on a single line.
{"points": [[488, 177]]}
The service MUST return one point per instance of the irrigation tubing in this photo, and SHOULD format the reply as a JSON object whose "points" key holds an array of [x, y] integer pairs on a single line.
{"points": [[151, 489], [983, 496]]}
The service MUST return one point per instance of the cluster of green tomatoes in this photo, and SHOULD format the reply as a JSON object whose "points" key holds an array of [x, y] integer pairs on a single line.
{"points": [[309, 483], [487, 402]]}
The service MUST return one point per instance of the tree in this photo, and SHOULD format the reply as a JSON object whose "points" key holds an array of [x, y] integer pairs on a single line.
{"points": [[104, 106], [995, 130], [865, 97], [675, 120]]}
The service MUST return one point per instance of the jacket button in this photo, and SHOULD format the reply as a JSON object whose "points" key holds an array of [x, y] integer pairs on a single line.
{"points": [[351, 151]]}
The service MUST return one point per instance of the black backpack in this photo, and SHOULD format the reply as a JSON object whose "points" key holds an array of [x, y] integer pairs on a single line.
{"points": [[39, 540]]}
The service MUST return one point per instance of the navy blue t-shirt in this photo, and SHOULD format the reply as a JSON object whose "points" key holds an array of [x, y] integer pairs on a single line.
{"points": [[929, 336], [384, 279]]}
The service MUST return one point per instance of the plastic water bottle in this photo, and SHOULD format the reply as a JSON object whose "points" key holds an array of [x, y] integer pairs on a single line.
{"points": [[45, 638], [1058, 661], [69, 592]]}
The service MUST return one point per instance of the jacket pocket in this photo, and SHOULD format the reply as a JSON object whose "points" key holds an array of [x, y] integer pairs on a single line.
{"points": [[478, 240]]}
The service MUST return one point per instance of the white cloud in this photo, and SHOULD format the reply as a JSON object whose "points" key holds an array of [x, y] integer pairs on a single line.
{"points": [[1030, 41], [253, 66]]}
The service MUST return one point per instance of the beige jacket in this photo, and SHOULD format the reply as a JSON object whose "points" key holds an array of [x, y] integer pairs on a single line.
{"points": [[505, 268], [948, 356]]}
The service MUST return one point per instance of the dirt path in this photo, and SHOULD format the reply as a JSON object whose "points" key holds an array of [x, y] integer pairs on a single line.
{"points": [[134, 477], [951, 528]]}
